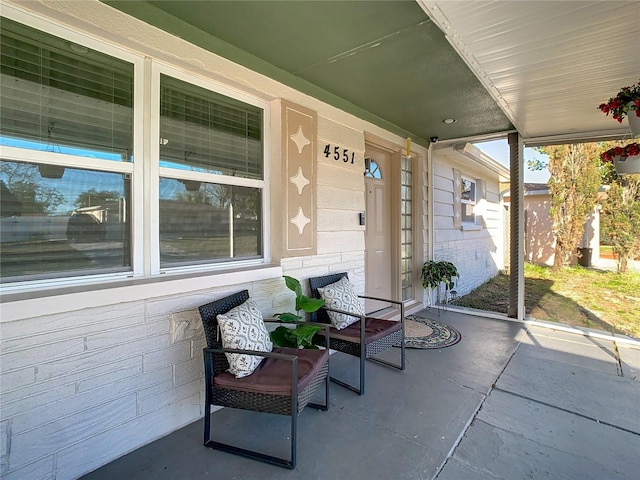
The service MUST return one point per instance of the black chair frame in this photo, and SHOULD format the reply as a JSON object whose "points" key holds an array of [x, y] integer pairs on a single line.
{"points": [[362, 349], [215, 362]]}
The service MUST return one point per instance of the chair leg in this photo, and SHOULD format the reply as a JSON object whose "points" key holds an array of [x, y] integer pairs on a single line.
{"points": [[357, 389], [318, 406], [398, 366], [353, 388], [207, 422], [294, 438], [281, 462], [363, 363]]}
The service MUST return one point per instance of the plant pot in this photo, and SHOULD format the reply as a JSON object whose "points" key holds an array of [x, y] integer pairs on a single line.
{"points": [[626, 165], [634, 123]]}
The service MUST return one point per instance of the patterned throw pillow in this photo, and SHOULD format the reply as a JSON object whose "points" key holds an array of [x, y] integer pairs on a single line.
{"points": [[340, 295], [243, 327]]}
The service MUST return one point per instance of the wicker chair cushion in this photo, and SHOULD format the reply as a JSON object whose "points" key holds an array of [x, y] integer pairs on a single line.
{"points": [[243, 327], [340, 295], [273, 376], [374, 329]]}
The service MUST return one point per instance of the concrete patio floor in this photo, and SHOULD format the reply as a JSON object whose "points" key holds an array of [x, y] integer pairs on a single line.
{"points": [[508, 402]]}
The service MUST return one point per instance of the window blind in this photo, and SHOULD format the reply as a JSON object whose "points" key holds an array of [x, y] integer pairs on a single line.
{"points": [[61, 94], [206, 131]]}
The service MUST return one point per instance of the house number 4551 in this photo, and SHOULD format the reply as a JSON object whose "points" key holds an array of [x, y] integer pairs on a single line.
{"points": [[337, 153]]}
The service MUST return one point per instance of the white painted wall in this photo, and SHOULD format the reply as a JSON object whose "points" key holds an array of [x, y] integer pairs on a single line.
{"points": [[477, 252], [88, 374]]}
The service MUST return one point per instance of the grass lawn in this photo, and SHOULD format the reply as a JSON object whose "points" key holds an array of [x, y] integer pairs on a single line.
{"points": [[575, 296]]}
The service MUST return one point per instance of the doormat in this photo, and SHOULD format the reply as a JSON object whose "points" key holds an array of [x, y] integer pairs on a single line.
{"points": [[426, 333]]}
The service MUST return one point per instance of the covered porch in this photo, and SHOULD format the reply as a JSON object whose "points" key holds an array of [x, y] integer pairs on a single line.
{"points": [[97, 365], [511, 400]]}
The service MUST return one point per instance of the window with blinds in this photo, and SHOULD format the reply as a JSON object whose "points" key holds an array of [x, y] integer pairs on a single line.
{"points": [[64, 109], [202, 130], [68, 170], [62, 97], [206, 132]]}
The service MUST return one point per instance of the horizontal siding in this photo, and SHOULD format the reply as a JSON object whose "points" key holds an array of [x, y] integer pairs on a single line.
{"points": [[478, 253]]}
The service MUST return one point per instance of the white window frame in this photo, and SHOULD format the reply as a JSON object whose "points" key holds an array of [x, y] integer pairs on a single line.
{"points": [[158, 68], [473, 202], [134, 168], [145, 169]]}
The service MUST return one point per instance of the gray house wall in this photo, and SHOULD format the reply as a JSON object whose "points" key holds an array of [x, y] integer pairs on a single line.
{"points": [[477, 250]]}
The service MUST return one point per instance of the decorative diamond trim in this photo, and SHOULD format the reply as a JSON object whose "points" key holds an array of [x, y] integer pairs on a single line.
{"points": [[300, 220], [300, 140], [299, 180]]}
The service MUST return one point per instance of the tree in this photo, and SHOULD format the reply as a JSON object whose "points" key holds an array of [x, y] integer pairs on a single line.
{"points": [[93, 198], [30, 193], [620, 218], [574, 182]]}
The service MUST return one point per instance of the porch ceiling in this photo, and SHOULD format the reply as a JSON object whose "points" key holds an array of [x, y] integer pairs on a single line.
{"points": [[540, 67]]}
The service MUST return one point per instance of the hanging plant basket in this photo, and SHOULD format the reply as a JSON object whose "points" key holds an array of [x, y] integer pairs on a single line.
{"points": [[627, 165], [634, 123], [626, 103], [625, 159]]}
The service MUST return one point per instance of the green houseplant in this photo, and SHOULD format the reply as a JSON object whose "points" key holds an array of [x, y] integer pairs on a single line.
{"points": [[302, 335], [436, 273]]}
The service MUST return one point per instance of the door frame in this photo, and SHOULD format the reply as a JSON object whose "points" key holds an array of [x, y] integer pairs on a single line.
{"points": [[392, 180]]}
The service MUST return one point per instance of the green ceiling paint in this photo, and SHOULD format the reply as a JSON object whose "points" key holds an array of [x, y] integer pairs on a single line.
{"points": [[383, 61]]}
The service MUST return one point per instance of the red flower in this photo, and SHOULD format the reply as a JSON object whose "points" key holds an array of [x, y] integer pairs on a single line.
{"points": [[627, 151], [626, 101]]}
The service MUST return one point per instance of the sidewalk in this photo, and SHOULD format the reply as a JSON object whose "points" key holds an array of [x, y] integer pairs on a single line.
{"points": [[610, 264], [566, 406]]}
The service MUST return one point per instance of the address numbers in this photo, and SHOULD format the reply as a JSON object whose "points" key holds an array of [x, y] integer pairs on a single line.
{"points": [[339, 154]]}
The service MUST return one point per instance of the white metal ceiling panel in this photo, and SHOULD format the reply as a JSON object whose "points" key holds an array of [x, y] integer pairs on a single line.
{"points": [[549, 64]]}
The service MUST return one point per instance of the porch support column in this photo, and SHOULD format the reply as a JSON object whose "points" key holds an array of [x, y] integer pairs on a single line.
{"points": [[516, 212]]}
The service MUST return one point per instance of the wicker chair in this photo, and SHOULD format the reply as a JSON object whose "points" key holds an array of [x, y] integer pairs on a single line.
{"points": [[365, 338], [283, 383]]}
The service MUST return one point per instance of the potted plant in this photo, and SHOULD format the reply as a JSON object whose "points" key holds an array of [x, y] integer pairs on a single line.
{"points": [[435, 273], [626, 159], [625, 104], [302, 335]]}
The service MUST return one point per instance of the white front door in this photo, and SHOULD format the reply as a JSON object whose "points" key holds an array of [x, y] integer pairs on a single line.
{"points": [[378, 281]]}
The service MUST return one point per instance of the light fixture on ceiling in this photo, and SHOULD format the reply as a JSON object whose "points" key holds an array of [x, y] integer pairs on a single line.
{"points": [[449, 121]]}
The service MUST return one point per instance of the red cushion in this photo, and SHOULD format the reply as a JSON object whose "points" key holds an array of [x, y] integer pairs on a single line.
{"points": [[273, 376], [374, 329]]}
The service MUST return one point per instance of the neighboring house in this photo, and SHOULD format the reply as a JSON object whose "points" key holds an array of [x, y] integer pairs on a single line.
{"points": [[469, 222], [539, 247], [146, 176]]}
